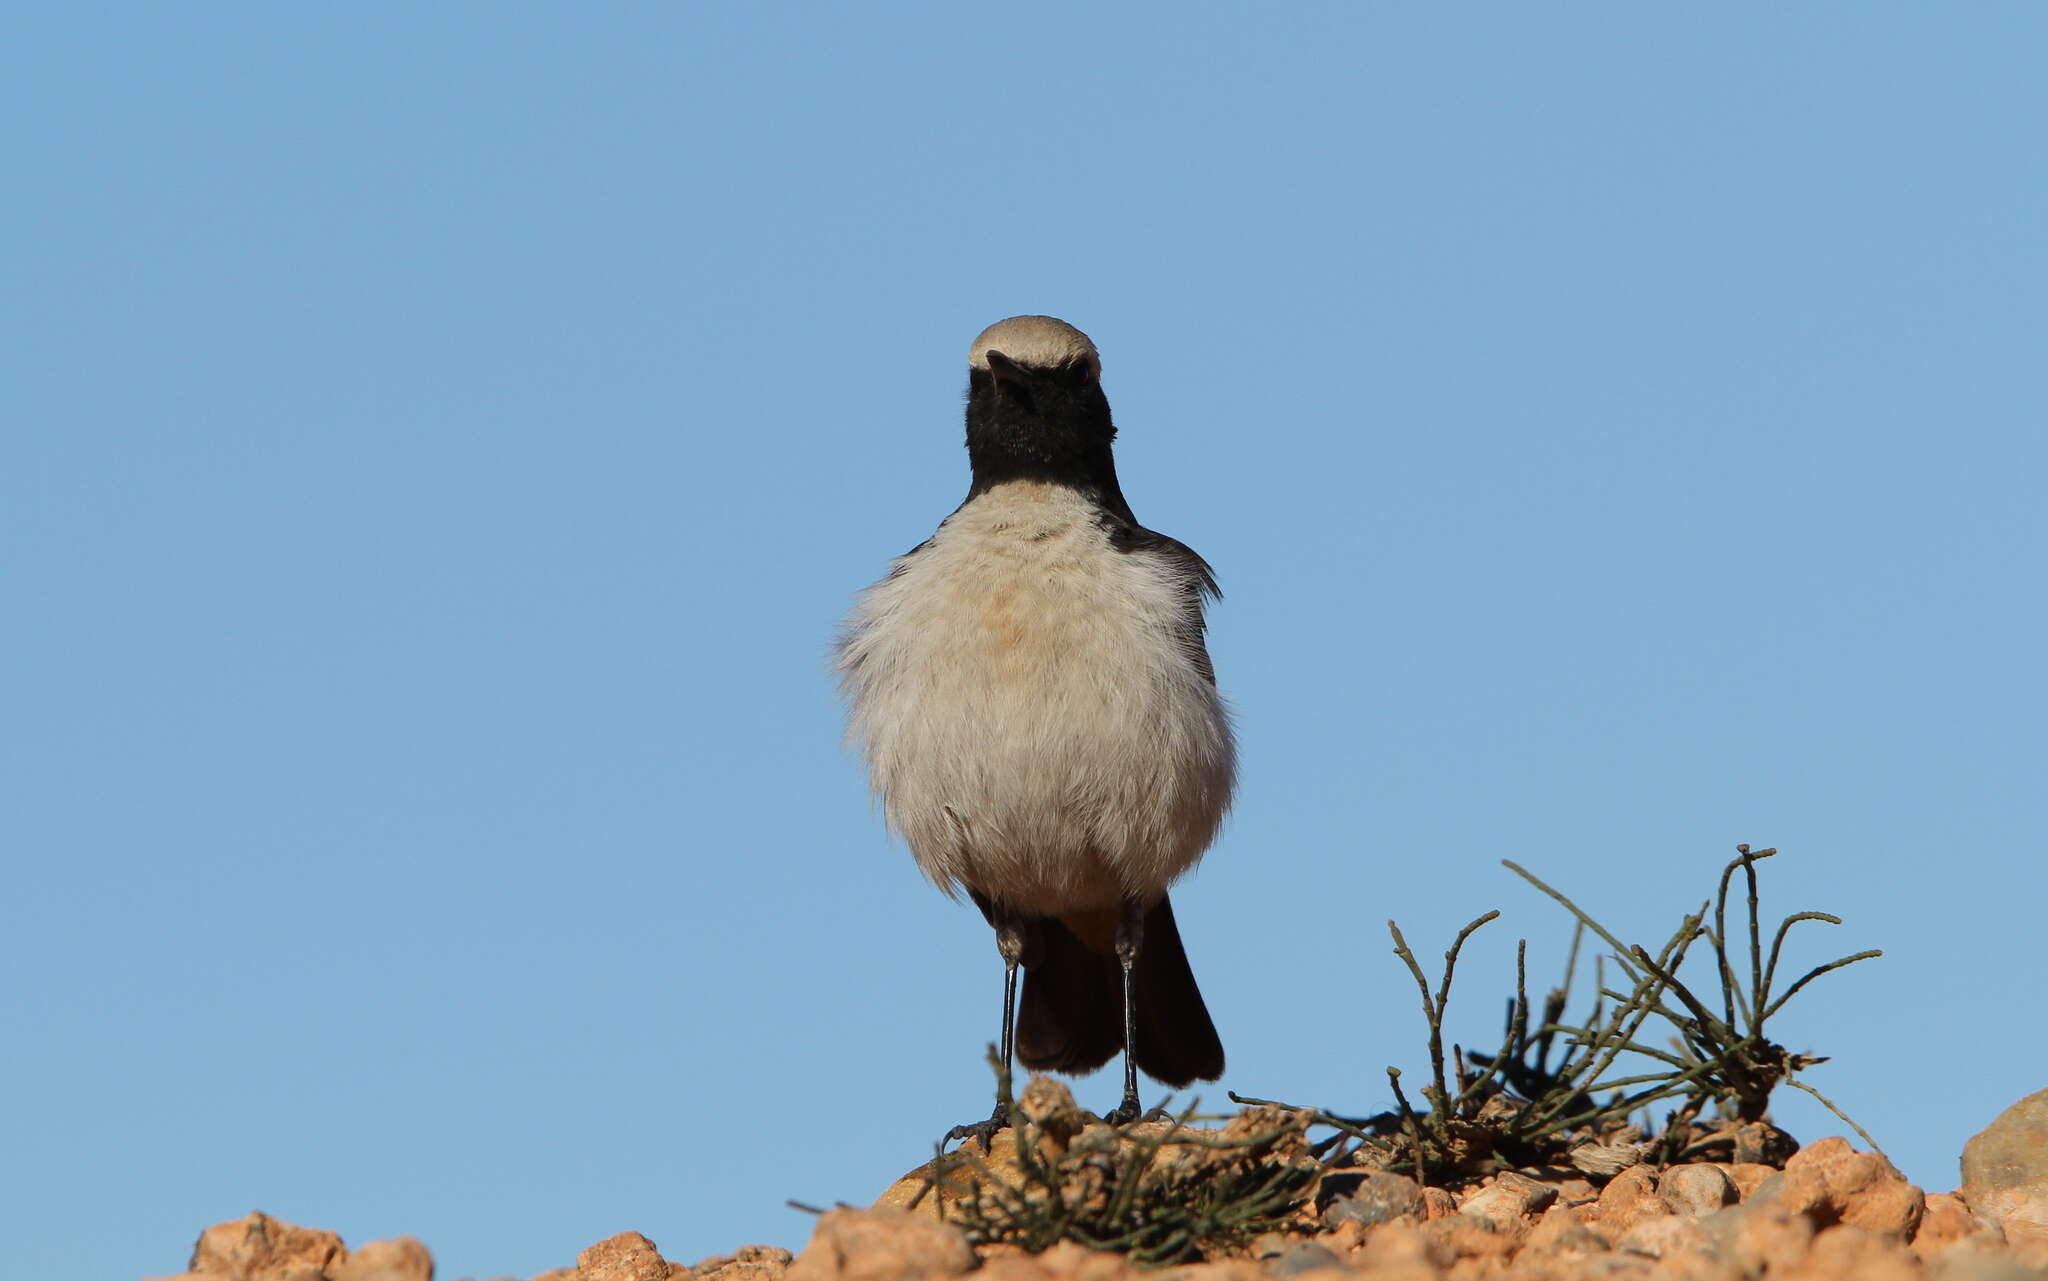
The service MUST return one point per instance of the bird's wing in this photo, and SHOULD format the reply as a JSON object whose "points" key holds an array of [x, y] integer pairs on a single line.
{"points": [[1197, 579]]}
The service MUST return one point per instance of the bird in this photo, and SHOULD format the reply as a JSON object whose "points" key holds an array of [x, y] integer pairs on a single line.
{"points": [[1032, 693]]}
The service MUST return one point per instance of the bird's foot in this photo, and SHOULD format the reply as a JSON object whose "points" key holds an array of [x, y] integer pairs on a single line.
{"points": [[1131, 1110], [983, 1130]]}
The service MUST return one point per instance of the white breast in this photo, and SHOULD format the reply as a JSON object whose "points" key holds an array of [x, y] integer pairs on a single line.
{"points": [[1032, 719]]}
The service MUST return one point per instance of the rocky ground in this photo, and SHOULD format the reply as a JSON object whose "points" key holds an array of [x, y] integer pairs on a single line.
{"points": [[1829, 1212]]}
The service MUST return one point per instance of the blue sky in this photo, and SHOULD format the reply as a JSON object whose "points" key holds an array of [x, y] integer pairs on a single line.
{"points": [[441, 440]]}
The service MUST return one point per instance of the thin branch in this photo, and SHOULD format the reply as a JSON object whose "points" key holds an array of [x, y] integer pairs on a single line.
{"points": [[1816, 972], [1829, 1104], [1784, 928], [1569, 906]]}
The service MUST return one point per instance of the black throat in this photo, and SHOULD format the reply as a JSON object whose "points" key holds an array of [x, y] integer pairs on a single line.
{"points": [[1052, 425]]}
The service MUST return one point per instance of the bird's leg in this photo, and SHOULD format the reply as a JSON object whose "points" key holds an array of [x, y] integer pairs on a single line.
{"points": [[1010, 942], [1130, 937]]}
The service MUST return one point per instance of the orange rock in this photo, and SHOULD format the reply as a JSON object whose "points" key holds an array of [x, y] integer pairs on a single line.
{"points": [[1629, 1198], [1832, 1183], [399, 1259], [1760, 1236], [1215, 1270], [1438, 1204], [625, 1257], [1665, 1236], [1072, 1261], [1464, 1237], [935, 1185], [1013, 1267], [1949, 1223], [1401, 1245], [1269, 1245], [1800, 1191], [1563, 1230], [1845, 1250], [1302, 1256], [1695, 1191], [1509, 1201], [1884, 1202], [1842, 1167], [748, 1263], [1574, 1189], [1746, 1176], [1892, 1208], [2005, 1169], [881, 1245], [1345, 1237], [260, 1248]]}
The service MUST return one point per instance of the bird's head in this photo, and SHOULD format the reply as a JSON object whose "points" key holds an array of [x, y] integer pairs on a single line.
{"points": [[1035, 408]]}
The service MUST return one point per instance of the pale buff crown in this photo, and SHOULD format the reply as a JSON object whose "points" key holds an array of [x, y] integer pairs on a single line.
{"points": [[1041, 342]]}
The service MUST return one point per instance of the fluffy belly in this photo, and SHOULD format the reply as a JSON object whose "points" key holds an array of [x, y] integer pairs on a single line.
{"points": [[1032, 724]]}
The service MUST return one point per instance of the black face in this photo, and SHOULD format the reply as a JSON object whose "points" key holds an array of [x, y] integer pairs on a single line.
{"points": [[1052, 424]]}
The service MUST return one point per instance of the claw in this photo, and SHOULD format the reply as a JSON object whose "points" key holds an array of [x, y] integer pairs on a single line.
{"points": [[983, 1130]]}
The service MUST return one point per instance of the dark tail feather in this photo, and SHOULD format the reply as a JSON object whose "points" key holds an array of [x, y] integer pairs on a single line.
{"points": [[1177, 1042], [1070, 1017]]}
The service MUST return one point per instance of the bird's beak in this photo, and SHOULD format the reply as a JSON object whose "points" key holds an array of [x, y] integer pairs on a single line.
{"points": [[1006, 371]]}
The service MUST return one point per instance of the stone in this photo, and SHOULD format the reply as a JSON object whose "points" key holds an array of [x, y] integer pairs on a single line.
{"points": [[1260, 1121], [1570, 1187], [1979, 1261], [1346, 1237], [1664, 1236], [1438, 1204], [1832, 1183], [1695, 1191], [2005, 1169], [1270, 1245], [1761, 1143], [748, 1263], [1400, 1245], [260, 1248], [1892, 1208], [1509, 1200], [1013, 1267], [1846, 1250], [1305, 1256], [625, 1257], [1214, 1270], [1048, 1105], [1747, 1176], [880, 1245], [1629, 1198], [1947, 1222], [935, 1185], [1802, 1193], [1563, 1230], [1072, 1261], [1378, 1198], [1463, 1237], [1604, 1160], [1759, 1236], [399, 1259]]}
